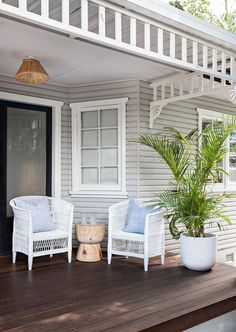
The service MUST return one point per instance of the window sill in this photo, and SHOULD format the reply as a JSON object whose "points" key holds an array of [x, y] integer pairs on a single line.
{"points": [[98, 194]]}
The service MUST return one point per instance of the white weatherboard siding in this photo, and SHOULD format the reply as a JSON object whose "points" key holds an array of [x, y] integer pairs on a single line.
{"points": [[100, 205], [154, 175], [47, 91], [146, 175]]}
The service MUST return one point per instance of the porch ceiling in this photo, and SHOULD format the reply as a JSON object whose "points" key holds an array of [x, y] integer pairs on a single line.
{"points": [[70, 61]]}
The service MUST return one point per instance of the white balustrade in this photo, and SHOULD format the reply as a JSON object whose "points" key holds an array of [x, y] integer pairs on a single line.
{"points": [[171, 46]]}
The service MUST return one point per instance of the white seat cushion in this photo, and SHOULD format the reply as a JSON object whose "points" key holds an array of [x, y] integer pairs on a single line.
{"points": [[127, 236], [50, 235]]}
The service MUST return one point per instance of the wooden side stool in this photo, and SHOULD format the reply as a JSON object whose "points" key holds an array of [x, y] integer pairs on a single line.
{"points": [[90, 237]]}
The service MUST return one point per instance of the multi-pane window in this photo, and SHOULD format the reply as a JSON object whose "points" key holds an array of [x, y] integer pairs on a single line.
{"points": [[99, 146], [222, 180]]}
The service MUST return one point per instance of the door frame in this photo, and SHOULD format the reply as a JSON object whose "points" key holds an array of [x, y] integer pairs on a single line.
{"points": [[56, 132]]}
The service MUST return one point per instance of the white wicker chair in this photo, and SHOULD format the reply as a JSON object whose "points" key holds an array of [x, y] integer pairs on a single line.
{"points": [[149, 244], [42, 243]]}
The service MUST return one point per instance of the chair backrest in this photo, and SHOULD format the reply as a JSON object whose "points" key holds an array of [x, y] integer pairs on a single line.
{"points": [[118, 214], [61, 210]]}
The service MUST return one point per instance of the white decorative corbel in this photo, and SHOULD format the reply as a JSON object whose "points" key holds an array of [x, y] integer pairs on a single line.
{"points": [[187, 86], [155, 110]]}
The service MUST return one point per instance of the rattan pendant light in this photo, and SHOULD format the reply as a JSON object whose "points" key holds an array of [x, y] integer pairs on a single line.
{"points": [[32, 72]]}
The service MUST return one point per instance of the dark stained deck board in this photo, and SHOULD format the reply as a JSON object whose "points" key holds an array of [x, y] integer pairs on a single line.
{"points": [[57, 296]]}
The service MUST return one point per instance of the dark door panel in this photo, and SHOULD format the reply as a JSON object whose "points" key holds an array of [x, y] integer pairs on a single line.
{"points": [[25, 159]]}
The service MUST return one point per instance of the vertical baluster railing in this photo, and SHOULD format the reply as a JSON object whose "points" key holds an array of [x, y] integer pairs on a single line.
{"points": [[214, 60], [172, 45], [205, 57], [23, 5], [201, 83], [147, 41], [102, 21], [155, 93], [118, 27], [84, 15], [133, 32], [195, 53], [160, 41], [184, 49], [65, 12], [232, 66], [163, 91], [223, 63], [45, 9]]}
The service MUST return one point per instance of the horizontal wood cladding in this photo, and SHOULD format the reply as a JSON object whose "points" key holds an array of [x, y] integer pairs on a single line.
{"points": [[154, 175], [47, 91], [97, 205]]}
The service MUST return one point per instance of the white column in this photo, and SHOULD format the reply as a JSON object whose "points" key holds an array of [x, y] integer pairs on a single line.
{"points": [[84, 14], [23, 5], [102, 21], [184, 49], [147, 36], [45, 8], [118, 28], [160, 47], [133, 32], [65, 12]]}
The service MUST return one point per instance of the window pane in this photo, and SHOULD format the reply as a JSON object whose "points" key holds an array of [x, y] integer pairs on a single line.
{"points": [[109, 118], [90, 157], [232, 162], [109, 175], [89, 119], [109, 137], [89, 175], [109, 157], [90, 138], [232, 175], [205, 123]]}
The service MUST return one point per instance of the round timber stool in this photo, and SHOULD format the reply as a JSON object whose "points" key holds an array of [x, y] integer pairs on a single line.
{"points": [[90, 237]]}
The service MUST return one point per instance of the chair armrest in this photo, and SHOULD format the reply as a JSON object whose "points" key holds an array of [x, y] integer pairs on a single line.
{"points": [[63, 217], [22, 221], [117, 216], [154, 223]]}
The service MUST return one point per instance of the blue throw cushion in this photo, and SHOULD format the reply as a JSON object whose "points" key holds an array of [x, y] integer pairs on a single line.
{"points": [[40, 212], [136, 217]]}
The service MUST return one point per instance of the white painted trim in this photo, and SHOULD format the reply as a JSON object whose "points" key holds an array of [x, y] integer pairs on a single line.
{"points": [[101, 194], [90, 190], [56, 132]]}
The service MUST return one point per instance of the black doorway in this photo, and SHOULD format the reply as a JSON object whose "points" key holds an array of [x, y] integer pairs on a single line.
{"points": [[25, 159]]}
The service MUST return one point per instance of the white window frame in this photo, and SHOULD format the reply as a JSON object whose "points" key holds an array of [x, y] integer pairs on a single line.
{"points": [[79, 189], [226, 185]]}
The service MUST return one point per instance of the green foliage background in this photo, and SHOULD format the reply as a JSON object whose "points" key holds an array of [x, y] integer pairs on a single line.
{"points": [[201, 9]]}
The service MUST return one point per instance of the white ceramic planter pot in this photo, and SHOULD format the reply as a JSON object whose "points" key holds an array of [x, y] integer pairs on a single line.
{"points": [[198, 253]]}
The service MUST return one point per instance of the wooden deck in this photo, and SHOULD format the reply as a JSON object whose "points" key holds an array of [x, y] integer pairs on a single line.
{"points": [[57, 296]]}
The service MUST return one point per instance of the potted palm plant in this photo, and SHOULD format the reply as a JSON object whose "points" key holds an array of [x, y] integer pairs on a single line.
{"points": [[189, 203]]}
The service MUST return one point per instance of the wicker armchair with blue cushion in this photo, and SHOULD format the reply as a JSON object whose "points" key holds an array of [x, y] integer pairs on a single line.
{"points": [[42, 226], [136, 230]]}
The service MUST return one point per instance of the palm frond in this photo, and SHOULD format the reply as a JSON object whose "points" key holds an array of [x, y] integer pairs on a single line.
{"points": [[189, 204]]}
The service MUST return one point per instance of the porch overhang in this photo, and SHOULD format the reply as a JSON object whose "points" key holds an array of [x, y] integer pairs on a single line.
{"points": [[185, 86], [119, 28]]}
